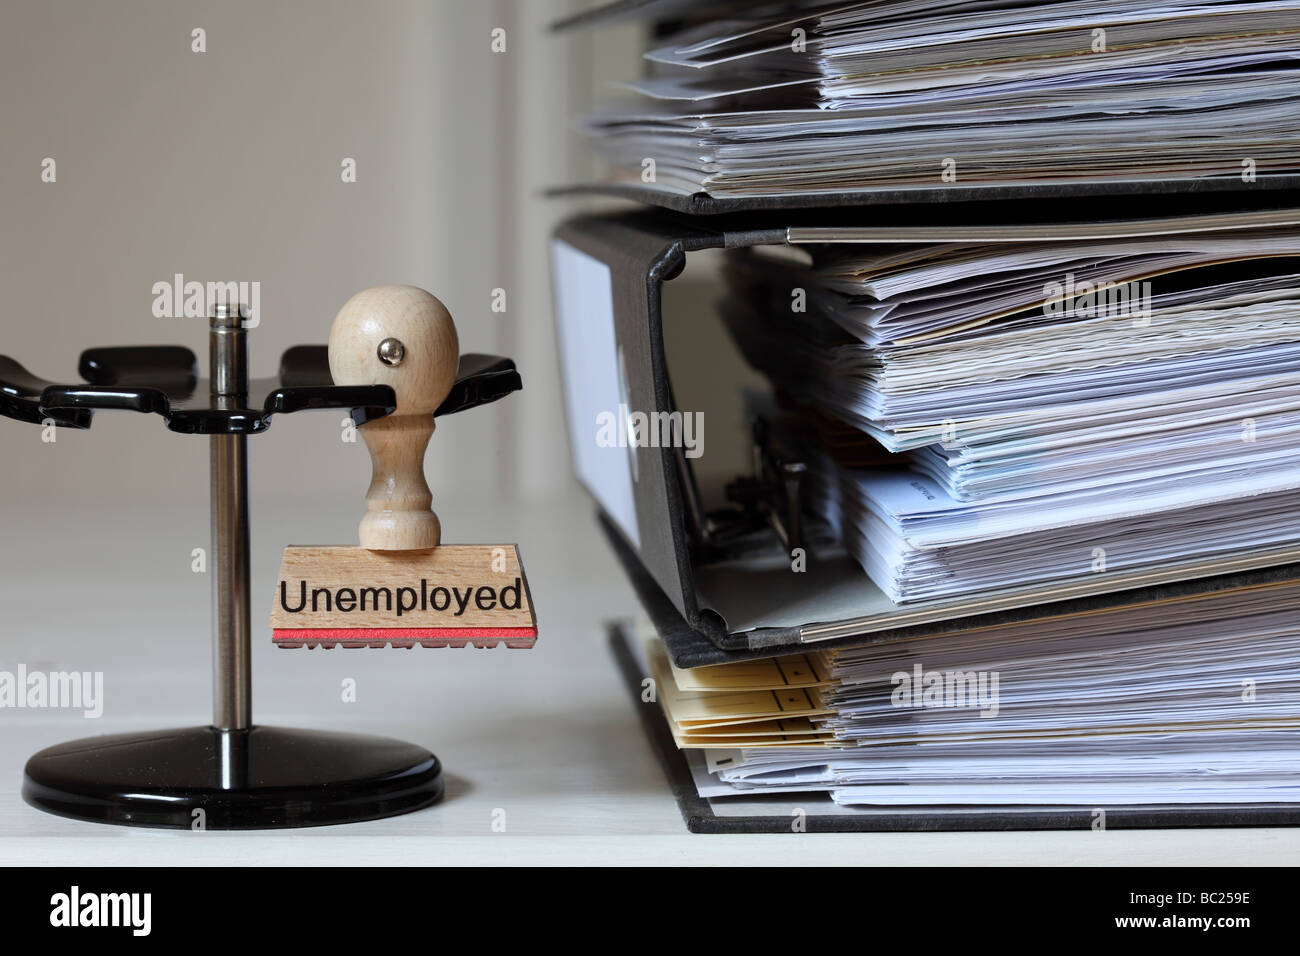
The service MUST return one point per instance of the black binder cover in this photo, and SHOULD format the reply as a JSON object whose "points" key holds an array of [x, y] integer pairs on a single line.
{"points": [[1206, 193]]}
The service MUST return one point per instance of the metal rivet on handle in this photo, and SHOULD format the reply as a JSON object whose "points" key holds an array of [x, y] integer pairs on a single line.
{"points": [[391, 352]]}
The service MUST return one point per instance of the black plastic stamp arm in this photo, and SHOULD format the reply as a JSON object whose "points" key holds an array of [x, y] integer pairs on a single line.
{"points": [[164, 380]]}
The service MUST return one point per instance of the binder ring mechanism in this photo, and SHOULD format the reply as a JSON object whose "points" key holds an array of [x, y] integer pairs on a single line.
{"points": [[773, 497]]}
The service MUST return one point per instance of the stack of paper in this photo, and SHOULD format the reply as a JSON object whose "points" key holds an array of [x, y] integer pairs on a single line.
{"points": [[820, 97], [1193, 701], [770, 703], [1058, 408]]}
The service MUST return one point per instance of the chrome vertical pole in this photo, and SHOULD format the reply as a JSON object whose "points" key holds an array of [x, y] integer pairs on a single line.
{"points": [[232, 679]]}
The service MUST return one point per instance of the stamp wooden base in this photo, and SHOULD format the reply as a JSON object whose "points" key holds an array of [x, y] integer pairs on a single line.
{"points": [[449, 596]]}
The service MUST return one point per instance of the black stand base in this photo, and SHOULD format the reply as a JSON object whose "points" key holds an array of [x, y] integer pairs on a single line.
{"points": [[202, 778]]}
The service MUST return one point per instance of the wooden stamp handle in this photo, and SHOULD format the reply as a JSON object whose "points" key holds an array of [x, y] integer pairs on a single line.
{"points": [[403, 337], [399, 514]]}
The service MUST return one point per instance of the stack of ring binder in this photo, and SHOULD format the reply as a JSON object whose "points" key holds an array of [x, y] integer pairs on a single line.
{"points": [[1017, 544]]}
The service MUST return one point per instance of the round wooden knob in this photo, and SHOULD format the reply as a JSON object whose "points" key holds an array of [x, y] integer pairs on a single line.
{"points": [[400, 336]]}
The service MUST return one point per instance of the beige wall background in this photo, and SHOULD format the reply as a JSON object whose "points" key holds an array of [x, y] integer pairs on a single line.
{"points": [[225, 165]]}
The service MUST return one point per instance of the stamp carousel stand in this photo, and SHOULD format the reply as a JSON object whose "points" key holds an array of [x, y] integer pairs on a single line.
{"points": [[233, 774]]}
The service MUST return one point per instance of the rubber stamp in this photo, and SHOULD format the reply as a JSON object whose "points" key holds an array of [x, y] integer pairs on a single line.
{"points": [[401, 586]]}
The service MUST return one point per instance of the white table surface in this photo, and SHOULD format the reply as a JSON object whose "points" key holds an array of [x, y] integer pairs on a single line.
{"points": [[549, 735]]}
